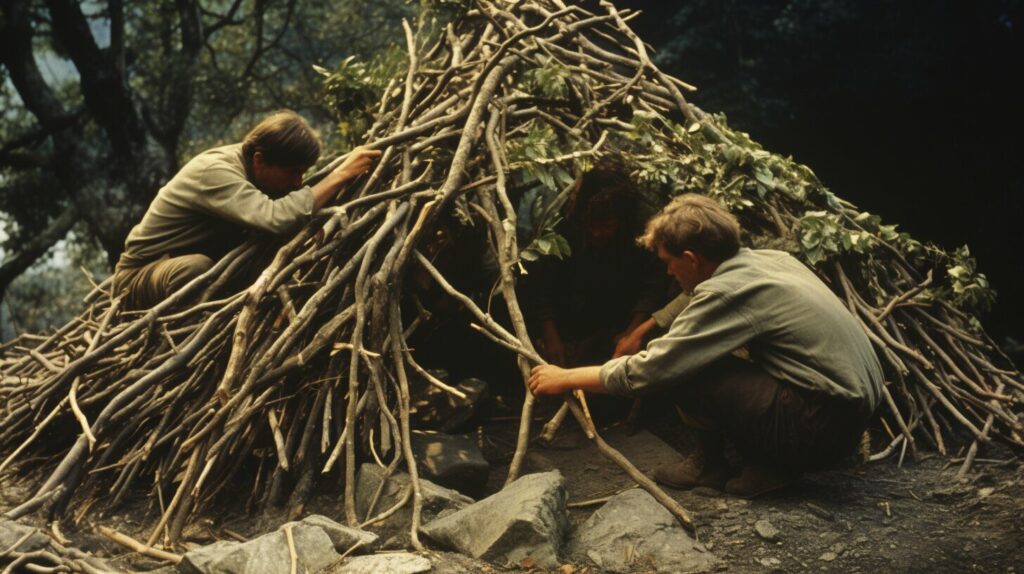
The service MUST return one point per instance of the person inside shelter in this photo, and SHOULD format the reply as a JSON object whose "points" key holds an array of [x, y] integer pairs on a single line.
{"points": [[584, 303], [800, 402], [207, 208]]}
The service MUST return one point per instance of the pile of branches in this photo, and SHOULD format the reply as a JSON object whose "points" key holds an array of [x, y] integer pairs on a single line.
{"points": [[307, 370]]}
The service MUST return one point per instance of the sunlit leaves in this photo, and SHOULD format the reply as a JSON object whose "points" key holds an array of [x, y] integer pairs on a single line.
{"points": [[970, 288]]}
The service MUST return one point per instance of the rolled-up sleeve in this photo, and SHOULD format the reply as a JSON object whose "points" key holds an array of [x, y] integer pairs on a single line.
{"points": [[710, 327], [228, 196]]}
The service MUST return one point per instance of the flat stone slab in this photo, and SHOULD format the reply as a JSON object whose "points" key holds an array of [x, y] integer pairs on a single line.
{"points": [[633, 532], [267, 554], [452, 461], [343, 537], [397, 563], [11, 532], [525, 521]]}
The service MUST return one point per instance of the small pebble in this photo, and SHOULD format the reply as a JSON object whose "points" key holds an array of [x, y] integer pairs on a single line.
{"points": [[766, 530], [828, 557]]}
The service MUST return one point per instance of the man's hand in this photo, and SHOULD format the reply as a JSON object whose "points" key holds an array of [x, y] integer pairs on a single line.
{"points": [[554, 380], [357, 163], [549, 380], [628, 345], [631, 343]]}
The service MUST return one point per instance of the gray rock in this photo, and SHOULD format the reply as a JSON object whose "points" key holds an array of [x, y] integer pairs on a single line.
{"points": [[526, 520], [267, 554], [394, 531], [435, 409], [398, 563], [452, 461], [766, 530], [632, 532], [11, 532], [343, 537]]}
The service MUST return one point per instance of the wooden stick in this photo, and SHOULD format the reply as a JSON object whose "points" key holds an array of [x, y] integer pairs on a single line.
{"points": [[647, 484], [139, 547], [294, 557]]}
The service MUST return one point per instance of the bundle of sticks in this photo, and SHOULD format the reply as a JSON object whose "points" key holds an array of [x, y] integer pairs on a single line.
{"points": [[307, 370]]}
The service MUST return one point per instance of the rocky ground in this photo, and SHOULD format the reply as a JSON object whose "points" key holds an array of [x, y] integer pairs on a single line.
{"points": [[877, 517]]}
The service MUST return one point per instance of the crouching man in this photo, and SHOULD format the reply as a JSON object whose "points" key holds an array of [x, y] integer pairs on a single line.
{"points": [[206, 209], [801, 401]]}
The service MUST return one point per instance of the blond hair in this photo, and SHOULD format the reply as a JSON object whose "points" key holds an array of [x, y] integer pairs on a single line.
{"points": [[692, 222], [285, 139]]}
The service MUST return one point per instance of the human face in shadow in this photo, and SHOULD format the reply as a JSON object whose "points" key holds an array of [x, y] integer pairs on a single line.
{"points": [[685, 268], [276, 180]]}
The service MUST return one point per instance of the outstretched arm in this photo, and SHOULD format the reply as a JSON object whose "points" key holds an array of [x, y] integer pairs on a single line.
{"points": [[554, 380], [356, 164], [630, 344]]}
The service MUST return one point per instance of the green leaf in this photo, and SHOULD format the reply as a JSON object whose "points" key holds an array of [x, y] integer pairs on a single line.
{"points": [[764, 175]]}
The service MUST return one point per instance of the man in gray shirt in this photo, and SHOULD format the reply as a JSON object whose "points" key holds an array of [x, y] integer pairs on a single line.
{"points": [[800, 402]]}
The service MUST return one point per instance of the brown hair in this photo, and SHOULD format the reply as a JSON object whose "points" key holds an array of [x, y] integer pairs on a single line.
{"points": [[695, 223], [285, 140], [606, 188]]}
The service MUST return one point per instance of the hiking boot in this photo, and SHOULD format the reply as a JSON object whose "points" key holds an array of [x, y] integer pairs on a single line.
{"points": [[691, 473], [756, 480]]}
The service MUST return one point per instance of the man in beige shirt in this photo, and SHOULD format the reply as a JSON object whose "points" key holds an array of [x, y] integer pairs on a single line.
{"points": [[204, 210], [800, 402]]}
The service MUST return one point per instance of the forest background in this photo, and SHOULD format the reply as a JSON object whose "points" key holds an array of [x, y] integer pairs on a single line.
{"points": [[908, 109]]}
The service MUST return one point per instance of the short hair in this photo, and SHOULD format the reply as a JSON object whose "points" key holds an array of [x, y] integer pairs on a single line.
{"points": [[285, 139], [605, 189], [692, 222]]}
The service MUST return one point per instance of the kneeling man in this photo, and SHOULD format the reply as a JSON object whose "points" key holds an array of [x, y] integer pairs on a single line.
{"points": [[801, 401]]}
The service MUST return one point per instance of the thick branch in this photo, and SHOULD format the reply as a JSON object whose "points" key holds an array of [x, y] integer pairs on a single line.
{"points": [[106, 92]]}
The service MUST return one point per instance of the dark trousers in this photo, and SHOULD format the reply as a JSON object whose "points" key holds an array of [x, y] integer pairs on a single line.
{"points": [[152, 283], [771, 421]]}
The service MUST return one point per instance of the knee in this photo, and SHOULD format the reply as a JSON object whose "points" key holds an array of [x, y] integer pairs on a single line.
{"points": [[186, 268]]}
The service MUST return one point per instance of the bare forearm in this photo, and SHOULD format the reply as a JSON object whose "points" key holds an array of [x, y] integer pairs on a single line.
{"points": [[553, 380], [633, 341], [358, 162], [327, 189]]}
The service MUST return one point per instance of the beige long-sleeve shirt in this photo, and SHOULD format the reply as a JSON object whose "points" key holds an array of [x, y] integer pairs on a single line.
{"points": [[794, 327], [205, 207]]}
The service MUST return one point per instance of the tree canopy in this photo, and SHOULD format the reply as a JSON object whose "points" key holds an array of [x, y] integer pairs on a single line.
{"points": [[104, 99]]}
